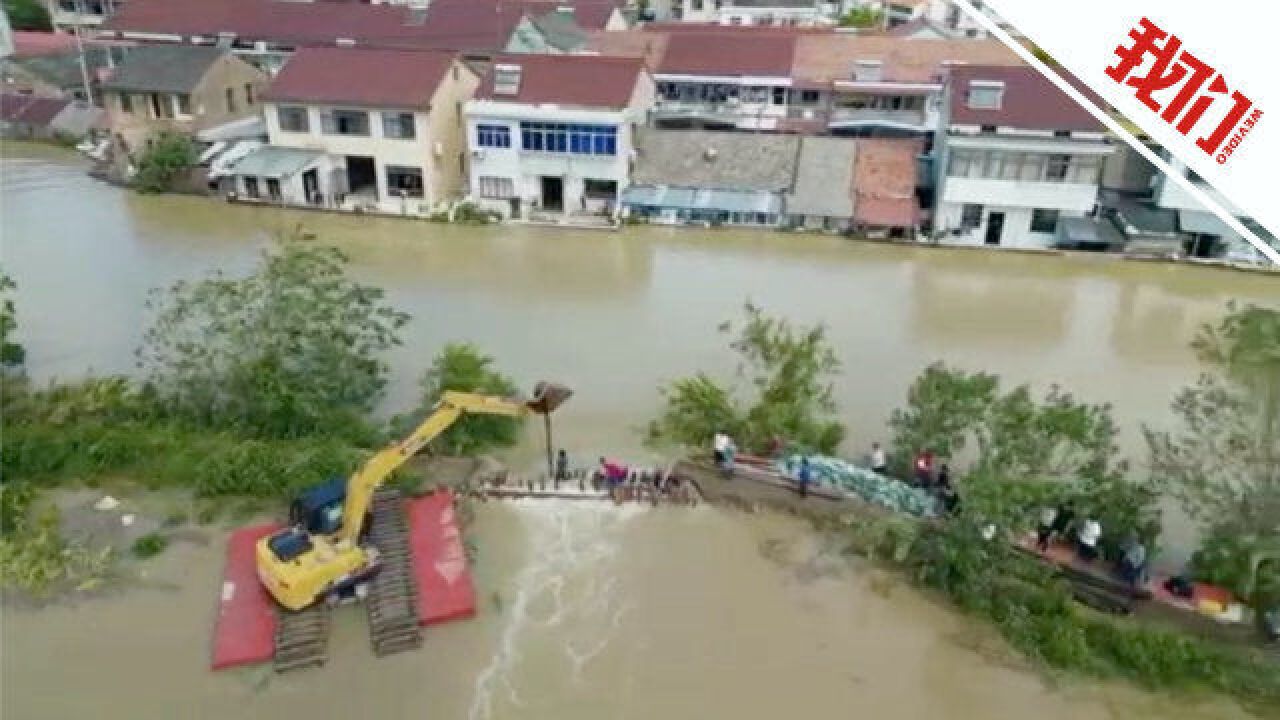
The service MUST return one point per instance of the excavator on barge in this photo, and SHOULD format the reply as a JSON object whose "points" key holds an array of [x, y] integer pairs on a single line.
{"points": [[348, 538]]}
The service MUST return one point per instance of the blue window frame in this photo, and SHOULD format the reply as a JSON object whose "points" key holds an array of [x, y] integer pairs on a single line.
{"points": [[568, 138], [494, 136]]}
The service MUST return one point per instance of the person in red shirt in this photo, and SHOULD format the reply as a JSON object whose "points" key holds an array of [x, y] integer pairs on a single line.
{"points": [[615, 474], [924, 468]]}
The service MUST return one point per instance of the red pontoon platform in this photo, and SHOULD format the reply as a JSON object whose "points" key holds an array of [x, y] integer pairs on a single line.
{"points": [[245, 630], [246, 626]]}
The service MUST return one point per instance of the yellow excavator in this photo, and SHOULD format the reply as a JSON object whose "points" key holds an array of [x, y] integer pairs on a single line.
{"points": [[325, 552]]}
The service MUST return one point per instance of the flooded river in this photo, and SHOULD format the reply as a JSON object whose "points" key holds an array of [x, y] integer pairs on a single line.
{"points": [[596, 612]]}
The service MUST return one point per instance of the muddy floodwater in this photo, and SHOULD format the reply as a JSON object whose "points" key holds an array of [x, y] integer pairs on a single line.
{"points": [[595, 612], [588, 611]]}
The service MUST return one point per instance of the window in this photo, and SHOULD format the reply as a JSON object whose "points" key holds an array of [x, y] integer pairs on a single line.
{"points": [[1062, 133], [248, 94], [985, 95], [231, 100], [1012, 166], [497, 187], [398, 125], [779, 96], [126, 103], [575, 139], [184, 104], [1087, 170], [345, 122], [494, 136], [809, 97], [1058, 165], [988, 129], [161, 106], [1044, 221], [404, 181], [273, 189], [293, 119], [970, 216], [251, 187], [963, 162]]}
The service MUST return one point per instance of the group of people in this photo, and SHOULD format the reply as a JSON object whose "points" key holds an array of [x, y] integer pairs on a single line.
{"points": [[925, 476], [1061, 522], [623, 485]]}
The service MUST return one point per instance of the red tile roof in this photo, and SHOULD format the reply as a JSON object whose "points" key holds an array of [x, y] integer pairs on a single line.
{"points": [[575, 80], [446, 24], [729, 53], [1030, 101], [37, 44], [702, 28], [30, 109], [370, 77], [884, 182]]}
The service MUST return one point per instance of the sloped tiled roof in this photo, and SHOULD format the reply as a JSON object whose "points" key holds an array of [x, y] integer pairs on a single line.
{"points": [[884, 183], [823, 58], [36, 44], [728, 53], [29, 109], [824, 177], [1030, 101], [163, 68], [575, 80], [372, 77]]}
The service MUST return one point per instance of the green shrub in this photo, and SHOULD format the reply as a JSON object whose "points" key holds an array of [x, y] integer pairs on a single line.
{"points": [[150, 545], [167, 157]]}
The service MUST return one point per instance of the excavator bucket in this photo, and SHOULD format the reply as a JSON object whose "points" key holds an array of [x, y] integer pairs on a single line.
{"points": [[547, 396]]}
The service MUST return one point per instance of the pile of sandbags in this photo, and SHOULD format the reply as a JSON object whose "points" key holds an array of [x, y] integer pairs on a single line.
{"points": [[845, 477]]}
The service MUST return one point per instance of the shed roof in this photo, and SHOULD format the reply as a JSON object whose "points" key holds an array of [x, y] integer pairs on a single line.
{"points": [[824, 177], [576, 80], [372, 77], [163, 68], [885, 180], [276, 161], [823, 58], [709, 159]]}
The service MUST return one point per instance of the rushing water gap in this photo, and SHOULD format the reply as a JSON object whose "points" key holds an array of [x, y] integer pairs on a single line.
{"points": [[589, 611]]}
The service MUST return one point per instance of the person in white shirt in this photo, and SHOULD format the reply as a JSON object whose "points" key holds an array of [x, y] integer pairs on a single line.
{"points": [[1045, 530], [721, 445], [1090, 532], [879, 463]]}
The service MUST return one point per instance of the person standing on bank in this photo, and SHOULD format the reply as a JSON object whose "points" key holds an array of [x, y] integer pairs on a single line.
{"points": [[721, 446], [1090, 533], [1048, 516], [562, 467], [804, 477], [879, 463]]}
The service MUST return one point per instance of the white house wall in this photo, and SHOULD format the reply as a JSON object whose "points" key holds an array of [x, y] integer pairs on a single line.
{"points": [[526, 168], [1016, 232]]}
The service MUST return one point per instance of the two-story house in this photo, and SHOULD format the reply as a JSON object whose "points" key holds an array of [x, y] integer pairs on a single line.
{"points": [[179, 88], [554, 134], [362, 129], [1019, 156]]}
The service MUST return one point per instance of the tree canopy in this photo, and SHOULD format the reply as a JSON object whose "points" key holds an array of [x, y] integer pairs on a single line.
{"points": [[30, 15], [788, 373], [463, 367], [291, 349]]}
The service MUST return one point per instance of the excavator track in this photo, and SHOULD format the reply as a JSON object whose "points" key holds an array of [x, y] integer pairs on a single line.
{"points": [[302, 638], [392, 602]]}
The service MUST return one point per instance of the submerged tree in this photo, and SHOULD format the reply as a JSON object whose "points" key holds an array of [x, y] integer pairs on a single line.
{"points": [[12, 354], [167, 157], [789, 371], [1224, 461], [292, 349], [463, 367]]}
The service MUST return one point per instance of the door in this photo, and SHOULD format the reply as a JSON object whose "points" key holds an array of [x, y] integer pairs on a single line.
{"points": [[552, 193], [311, 186], [995, 226]]}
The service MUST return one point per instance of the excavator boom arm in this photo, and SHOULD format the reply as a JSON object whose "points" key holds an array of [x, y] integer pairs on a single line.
{"points": [[371, 475]]}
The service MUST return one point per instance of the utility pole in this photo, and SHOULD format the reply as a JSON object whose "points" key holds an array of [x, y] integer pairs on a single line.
{"points": [[84, 67]]}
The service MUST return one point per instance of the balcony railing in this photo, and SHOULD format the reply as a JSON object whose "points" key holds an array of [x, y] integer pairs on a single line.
{"points": [[870, 116]]}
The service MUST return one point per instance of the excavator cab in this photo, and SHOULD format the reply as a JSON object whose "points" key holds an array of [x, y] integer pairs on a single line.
{"points": [[318, 509]]}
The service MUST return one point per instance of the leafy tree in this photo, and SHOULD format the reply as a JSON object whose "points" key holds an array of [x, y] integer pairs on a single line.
{"points": [[463, 367], [167, 157], [1026, 451], [788, 370], [12, 354], [28, 15], [293, 348], [1224, 461], [862, 17]]}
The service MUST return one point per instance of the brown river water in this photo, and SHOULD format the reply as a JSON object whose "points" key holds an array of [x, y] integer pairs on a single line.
{"points": [[594, 612]]}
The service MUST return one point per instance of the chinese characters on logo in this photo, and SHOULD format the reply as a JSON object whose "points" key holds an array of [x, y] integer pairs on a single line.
{"points": [[1173, 67]]}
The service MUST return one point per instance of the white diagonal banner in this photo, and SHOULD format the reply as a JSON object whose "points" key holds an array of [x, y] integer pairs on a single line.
{"points": [[1205, 90]]}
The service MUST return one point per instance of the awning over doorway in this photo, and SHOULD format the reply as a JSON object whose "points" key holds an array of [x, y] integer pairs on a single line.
{"points": [[277, 162], [683, 198]]}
